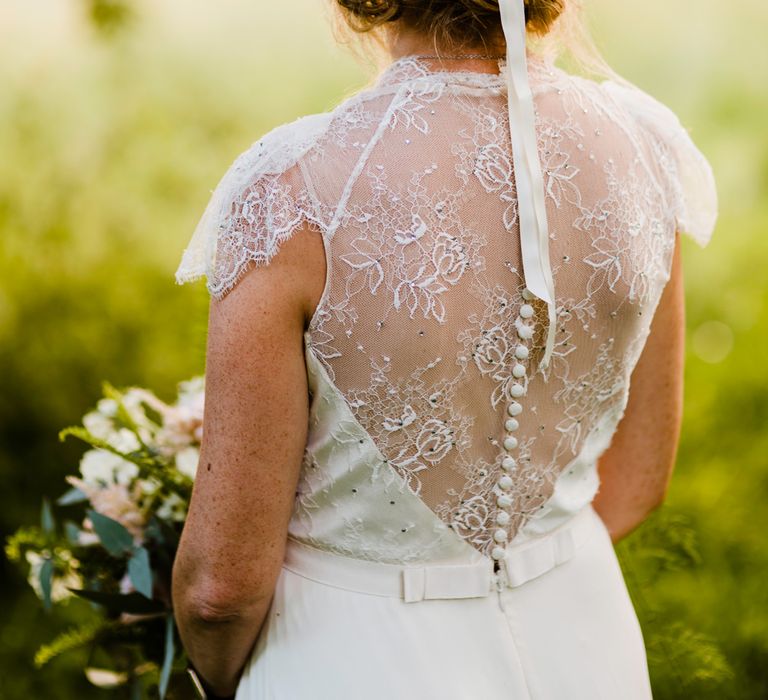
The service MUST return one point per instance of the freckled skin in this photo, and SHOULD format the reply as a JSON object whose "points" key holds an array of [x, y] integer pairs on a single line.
{"points": [[635, 470], [256, 414]]}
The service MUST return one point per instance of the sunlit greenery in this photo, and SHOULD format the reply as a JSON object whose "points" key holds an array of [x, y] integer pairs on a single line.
{"points": [[112, 135]]}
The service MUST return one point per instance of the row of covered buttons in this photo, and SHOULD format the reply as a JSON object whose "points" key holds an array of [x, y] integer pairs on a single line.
{"points": [[514, 409]]}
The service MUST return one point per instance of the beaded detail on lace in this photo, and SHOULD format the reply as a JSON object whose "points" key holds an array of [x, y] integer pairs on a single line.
{"points": [[424, 326]]}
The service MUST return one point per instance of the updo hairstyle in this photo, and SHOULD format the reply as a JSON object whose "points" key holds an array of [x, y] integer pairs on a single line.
{"points": [[450, 22]]}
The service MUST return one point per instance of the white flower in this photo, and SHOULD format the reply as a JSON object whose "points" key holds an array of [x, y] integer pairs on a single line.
{"points": [[97, 467], [116, 502], [191, 403], [87, 539], [124, 440], [179, 431], [134, 402], [186, 461], [126, 585], [181, 423], [107, 407], [148, 487], [104, 678], [173, 508], [60, 585], [192, 391], [99, 425], [100, 468], [134, 399]]}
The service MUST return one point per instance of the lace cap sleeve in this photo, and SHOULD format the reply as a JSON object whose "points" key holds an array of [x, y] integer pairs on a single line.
{"points": [[691, 176], [259, 203]]}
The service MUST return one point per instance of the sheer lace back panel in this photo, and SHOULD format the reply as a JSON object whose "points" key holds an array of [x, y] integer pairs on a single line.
{"points": [[425, 326]]}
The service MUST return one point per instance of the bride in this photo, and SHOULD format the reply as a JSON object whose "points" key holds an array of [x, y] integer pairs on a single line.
{"points": [[427, 307]]}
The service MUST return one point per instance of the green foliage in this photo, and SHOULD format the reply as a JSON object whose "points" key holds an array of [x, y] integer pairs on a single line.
{"points": [[69, 640], [114, 537], [684, 662], [25, 538], [71, 497], [151, 464], [83, 434], [46, 517], [169, 653], [46, 582], [108, 16], [665, 542], [140, 571]]}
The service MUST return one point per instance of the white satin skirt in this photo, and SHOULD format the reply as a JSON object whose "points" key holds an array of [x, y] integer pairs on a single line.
{"points": [[560, 626]]}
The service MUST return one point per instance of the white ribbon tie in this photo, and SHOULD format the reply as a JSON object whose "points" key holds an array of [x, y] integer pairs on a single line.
{"points": [[532, 215]]}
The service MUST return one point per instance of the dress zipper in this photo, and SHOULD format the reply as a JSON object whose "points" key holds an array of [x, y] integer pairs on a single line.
{"points": [[499, 581]]}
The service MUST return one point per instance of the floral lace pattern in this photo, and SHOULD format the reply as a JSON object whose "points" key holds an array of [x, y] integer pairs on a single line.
{"points": [[425, 327]]}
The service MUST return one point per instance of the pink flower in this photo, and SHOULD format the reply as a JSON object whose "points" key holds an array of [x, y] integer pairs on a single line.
{"points": [[116, 502]]}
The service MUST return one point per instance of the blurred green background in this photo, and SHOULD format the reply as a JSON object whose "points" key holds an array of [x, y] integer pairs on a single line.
{"points": [[114, 127]]}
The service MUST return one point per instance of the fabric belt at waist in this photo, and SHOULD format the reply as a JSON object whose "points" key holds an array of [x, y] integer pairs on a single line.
{"points": [[412, 583]]}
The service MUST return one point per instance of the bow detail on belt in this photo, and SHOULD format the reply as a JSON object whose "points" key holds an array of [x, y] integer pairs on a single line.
{"points": [[532, 215]]}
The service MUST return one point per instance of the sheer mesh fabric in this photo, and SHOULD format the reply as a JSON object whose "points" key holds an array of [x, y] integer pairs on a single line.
{"points": [[424, 325]]}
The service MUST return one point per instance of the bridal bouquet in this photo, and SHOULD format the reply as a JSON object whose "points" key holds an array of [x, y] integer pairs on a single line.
{"points": [[116, 539]]}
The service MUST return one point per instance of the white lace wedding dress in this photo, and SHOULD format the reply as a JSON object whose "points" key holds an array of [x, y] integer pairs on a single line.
{"points": [[443, 545]]}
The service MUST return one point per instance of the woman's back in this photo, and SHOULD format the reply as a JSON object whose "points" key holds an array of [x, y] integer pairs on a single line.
{"points": [[425, 332], [493, 263]]}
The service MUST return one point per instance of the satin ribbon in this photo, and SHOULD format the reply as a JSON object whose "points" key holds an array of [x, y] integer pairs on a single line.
{"points": [[446, 582], [471, 579], [532, 215]]}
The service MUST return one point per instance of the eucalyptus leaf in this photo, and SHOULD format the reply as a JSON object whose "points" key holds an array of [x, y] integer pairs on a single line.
{"points": [[170, 652], [46, 582], [133, 603], [154, 531], [140, 572], [72, 532], [46, 517], [114, 537], [71, 497]]}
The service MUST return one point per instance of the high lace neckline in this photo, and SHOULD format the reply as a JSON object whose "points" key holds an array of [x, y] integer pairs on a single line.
{"points": [[415, 68]]}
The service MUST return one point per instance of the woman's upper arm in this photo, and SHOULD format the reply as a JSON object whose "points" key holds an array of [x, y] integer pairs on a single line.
{"points": [[636, 468], [255, 429]]}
